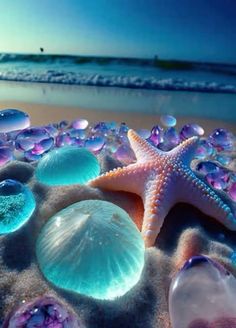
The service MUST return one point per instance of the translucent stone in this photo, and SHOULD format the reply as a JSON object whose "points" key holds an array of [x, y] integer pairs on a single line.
{"points": [[95, 144], [203, 150], [168, 120], [34, 140], [218, 180], [93, 248], [223, 159], [156, 135], [202, 294], [207, 167], [74, 133], [125, 154], [6, 155], [63, 125], [13, 119], [17, 204], [232, 191], [221, 139], [63, 139], [191, 130], [123, 129], [170, 139], [67, 165], [42, 313], [80, 124]]}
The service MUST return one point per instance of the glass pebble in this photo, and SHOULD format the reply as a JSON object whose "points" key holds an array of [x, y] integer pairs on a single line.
{"points": [[44, 312], [63, 139], [67, 165], [17, 204], [95, 144], [232, 191], [221, 139], [191, 130], [6, 155], [207, 167], [156, 136], [204, 149], [168, 120], [80, 124], [218, 180], [13, 119], [93, 248]]}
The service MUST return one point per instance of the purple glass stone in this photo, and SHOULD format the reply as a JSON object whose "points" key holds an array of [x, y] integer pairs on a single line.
{"points": [[170, 139], [218, 180], [191, 130], [63, 139], [52, 130], [221, 139], [45, 312], [79, 124], [207, 167], [125, 154], [29, 138], [232, 191], [203, 150], [13, 119], [5, 155], [156, 136], [95, 144], [168, 120]]}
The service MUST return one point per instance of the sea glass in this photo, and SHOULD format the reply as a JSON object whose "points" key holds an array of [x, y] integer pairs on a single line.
{"points": [[202, 294], [93, 248], [17, 204], [67, 165]]}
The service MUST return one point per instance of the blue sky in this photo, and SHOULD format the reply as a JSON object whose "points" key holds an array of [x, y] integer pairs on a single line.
{"points": [[181, 29]]}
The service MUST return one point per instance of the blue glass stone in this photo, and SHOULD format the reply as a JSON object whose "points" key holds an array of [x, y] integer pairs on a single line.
{"points": [[233, 258], [168, 120], [17, 204], [13, 119], [5, 155], [93, 248], [95, 144], [67, 165], [156, 136], [204, 149], [218, 180], [221, 139], [207, 167], [170, 139]]}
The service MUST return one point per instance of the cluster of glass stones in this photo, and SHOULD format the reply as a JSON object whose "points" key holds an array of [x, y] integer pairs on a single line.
{"points": [[215, 155]]}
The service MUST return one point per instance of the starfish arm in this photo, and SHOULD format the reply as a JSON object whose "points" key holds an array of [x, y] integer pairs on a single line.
{"points": [[129, 178], [157, 202], [199, 194], [143, 150], [185, 151]]}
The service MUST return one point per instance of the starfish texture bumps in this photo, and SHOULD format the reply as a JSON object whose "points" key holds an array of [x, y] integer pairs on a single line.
{"points": [[163, 179]]}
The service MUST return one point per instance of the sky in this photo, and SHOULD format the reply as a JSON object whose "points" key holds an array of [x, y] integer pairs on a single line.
{"points": [[172, 29]]}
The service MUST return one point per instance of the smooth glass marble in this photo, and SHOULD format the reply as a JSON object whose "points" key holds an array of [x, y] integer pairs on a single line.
{"points": [[44, 312], [203, 292], [17, 204], [67, 165], [13, 119], [93, 248]]}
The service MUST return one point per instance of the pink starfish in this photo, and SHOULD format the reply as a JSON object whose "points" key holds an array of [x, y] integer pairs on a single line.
{"points": [[163, 179]]}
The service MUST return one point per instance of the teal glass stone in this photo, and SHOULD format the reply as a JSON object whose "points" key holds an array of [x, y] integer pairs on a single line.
{"points": [[17, 204], [93, 248], [67, 165]]}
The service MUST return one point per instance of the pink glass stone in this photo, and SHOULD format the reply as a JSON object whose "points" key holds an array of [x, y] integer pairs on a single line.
{"points": [[232, 191], [202, 294], [156, 136], [45, 312], [5, 155], [80, 124]]}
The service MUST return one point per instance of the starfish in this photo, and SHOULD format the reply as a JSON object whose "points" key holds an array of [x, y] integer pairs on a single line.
{"points": [[163, 179]]}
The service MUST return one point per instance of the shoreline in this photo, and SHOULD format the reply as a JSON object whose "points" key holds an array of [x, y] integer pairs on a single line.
{"points": [[42, 114]]}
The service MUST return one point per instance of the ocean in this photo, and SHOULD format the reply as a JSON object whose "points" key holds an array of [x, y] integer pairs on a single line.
{"points": [[152, 86]]}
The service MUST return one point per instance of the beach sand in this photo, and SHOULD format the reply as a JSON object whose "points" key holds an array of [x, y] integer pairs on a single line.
{"points": [[186, 232]]}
